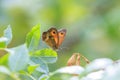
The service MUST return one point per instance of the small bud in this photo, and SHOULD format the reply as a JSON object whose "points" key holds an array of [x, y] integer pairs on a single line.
{"points": [[72, 60], [78, 60]]}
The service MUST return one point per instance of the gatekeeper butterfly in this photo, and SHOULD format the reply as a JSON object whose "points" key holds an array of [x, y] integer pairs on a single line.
{"points": [[54, 37]]}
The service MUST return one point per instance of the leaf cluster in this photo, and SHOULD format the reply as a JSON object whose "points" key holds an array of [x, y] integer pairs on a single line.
{"points": [[25, 61]]}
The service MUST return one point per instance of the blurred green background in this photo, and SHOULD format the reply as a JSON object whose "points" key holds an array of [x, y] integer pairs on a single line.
{"points": [[93, 26]]}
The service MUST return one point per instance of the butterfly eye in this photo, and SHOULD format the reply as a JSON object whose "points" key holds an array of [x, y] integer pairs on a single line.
{"points": [[54, 32], [61, 33]]}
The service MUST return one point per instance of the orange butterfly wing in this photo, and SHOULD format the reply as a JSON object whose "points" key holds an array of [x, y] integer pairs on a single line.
{"points": [[61, 34], [51, 37]]}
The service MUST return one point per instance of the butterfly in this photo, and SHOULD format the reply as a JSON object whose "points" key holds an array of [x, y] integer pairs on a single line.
{"points": [[54, 37]]}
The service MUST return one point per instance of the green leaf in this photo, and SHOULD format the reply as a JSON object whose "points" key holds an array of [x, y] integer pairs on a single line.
{"points": [[18, 58], [98, 64], [43, 66], [62, 76], [33, 37], [32, 68], [36, 74], [46, 52], [3, 41], [71, 70], [4, 70], [6, 39], [4, 60], [25, 75], [43, 77], [48, 55], [8, 34], [112, 72]]}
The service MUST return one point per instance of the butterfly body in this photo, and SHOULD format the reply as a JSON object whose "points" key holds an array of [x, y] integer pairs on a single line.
{"points": [[54, 37]]}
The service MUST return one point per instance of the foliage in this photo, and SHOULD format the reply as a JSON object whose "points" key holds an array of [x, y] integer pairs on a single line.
{"points": [[99, 69], [27, 62], [26, 59]]}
